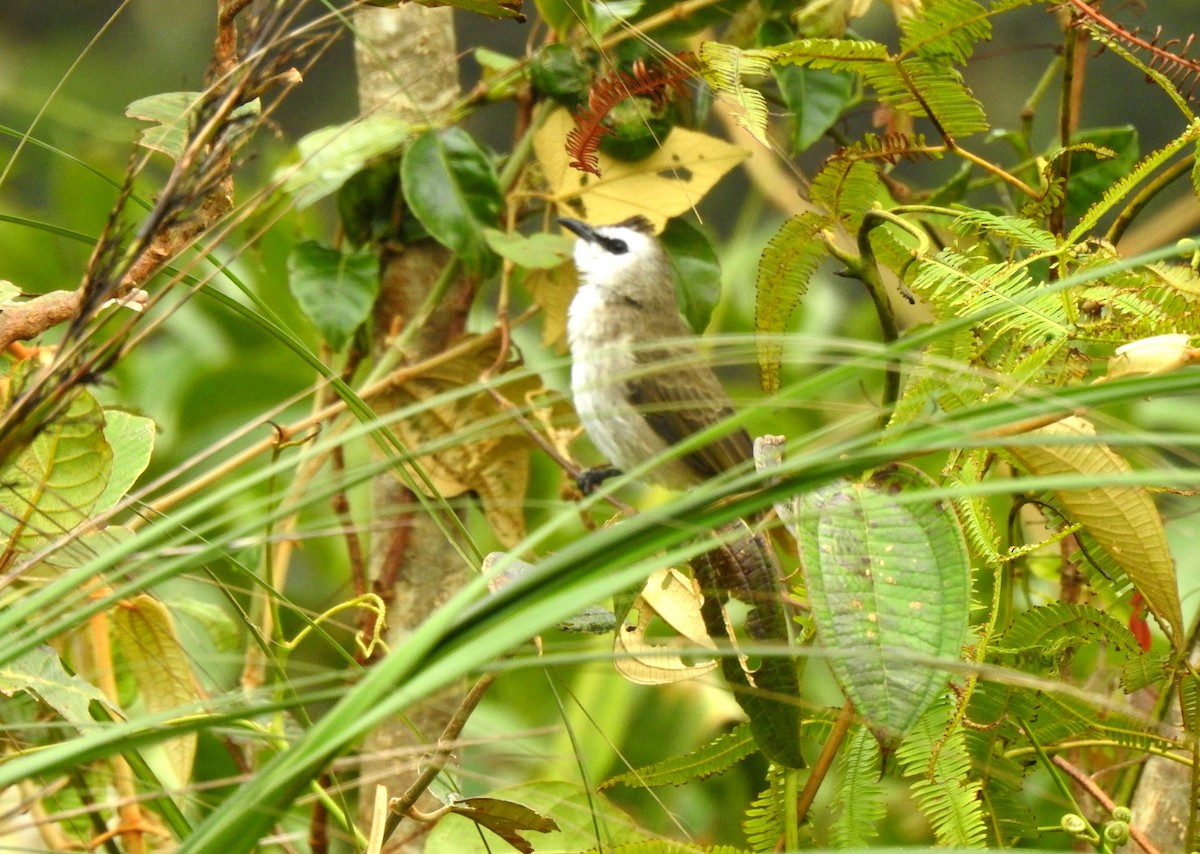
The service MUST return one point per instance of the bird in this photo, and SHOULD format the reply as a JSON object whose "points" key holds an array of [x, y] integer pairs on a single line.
{"points": [[639, 383]]}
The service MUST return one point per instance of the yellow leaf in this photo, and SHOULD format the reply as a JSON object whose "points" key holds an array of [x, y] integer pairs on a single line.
{"points": [[1122, 519], [667, 183], [145, 634], [669, 596], [553, 290]]}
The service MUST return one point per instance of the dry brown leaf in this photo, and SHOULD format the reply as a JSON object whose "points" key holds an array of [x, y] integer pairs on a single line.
{"points": [[476, 447], [669, 596]]}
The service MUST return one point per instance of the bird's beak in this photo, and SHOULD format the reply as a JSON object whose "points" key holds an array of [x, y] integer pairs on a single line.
{"points": [[582, 229]]}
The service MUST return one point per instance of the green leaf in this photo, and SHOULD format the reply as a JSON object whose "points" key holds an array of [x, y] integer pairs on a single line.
{"points": [[131, 438], [763, 825], [41, 673], [335, 290], [716, 757], [787, 265], [945, 30], [939, 766], [602, 17], [1091, 173], [329, 156], [367, 201], [54, 483], [860, 793], [888, 577], [172, 114], [450, 185], [539, 251], [697, 272], [816, 99]]}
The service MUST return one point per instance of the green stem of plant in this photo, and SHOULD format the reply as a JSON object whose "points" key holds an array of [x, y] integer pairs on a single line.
{"points": [[1053, 770], [791, 817], [1138, 203], [866, 270]]}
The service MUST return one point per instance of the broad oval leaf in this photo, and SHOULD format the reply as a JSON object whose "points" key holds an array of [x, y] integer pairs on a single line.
{"points": [[534, 252], [889, 579], [451, 186], [1122, 518], [330, 156], [131, 438], [1091, 172], [41, 673], [697, 272], [145, 633], [335, 290], [53, 484]]}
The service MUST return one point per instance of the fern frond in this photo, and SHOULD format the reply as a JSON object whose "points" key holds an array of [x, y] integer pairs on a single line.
{"points": [[938, 92], [1023, 232], [890, 148], [846, 189], [859, 793], [1120, 190], [1047, 633], [763, 824], [1145, 669], [723, 67], [972, 510], [716, 757], [939, 766], [946, 30], [784, 271]]}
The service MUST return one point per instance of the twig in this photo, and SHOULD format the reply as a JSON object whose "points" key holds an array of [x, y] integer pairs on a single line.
{"points": [[403, 805], [825, 761]]}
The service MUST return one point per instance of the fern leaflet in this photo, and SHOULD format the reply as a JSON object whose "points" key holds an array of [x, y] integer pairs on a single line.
{"points": [[859, 792], [939, 765], [716, 757]]}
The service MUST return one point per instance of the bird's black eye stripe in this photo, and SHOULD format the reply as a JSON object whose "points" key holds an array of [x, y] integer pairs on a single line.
{"points": [[615, 245]]}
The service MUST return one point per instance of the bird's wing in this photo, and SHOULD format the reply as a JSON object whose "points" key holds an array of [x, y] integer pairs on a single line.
{"points": [[684, 398]]}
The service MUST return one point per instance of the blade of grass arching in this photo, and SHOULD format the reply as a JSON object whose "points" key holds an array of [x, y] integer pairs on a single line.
{"points": [[467, 633], [582, 572], [19, 620]]}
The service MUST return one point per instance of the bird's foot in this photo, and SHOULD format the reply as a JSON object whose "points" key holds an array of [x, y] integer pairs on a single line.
{"points": [[589, 479]]}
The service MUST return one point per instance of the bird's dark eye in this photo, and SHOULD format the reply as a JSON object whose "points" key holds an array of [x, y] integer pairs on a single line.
{"points": [[616, 246]]}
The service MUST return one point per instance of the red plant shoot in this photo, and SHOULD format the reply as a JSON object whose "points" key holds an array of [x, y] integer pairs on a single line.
{"points": [[658, 82]]}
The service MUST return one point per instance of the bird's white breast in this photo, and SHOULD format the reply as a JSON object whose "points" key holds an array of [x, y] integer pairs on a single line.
{"points": [[601, 361]]}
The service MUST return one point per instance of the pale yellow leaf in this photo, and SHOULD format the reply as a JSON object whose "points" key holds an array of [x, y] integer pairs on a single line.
{"points": [[553, 290], [146, 636], [669, 182], [1122, 519], [668, 596]]}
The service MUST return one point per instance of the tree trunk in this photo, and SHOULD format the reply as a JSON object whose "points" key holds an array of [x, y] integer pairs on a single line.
{"points": [[407, 67]]}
